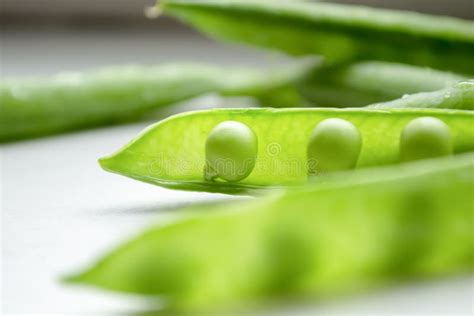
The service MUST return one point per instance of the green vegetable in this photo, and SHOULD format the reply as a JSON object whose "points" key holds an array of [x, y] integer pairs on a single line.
{"points": [[333, 145], [352, 232], [231, 152], [340, 33], [460, 96], [425, 137], [67, 101], [171, 153], [363, 83]]}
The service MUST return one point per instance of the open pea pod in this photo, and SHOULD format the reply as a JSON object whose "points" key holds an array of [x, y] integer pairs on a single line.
{"points": [[368, 82], [31, 107], [349, 233], [171, 153], [340, 33]]}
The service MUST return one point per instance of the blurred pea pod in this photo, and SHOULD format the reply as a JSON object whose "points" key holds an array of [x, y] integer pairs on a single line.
{"points": [[363, 83], [38, 106], [340, 33], [342, 234], [459, 96]]}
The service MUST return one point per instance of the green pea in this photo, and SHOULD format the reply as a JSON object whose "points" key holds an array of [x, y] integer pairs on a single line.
{"points": [[334, 145], [425, 137], [231, 152]]}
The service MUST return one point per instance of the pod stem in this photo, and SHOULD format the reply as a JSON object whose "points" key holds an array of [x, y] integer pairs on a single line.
{"points": [[152, 12]]}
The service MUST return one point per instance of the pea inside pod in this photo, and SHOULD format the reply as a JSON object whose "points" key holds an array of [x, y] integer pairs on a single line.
{"points": [[231, 152], [334, 145], [425, 137]]}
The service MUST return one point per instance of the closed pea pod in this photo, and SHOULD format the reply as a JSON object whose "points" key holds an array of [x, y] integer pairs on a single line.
{"points": [[459, 96], [334, 145], [369, 82], [231, 152], [340, 33], [379, 223], [34, 107], [425, 137]]}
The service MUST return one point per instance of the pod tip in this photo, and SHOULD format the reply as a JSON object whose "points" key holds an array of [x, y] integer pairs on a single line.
{"points": [[104, 162]]}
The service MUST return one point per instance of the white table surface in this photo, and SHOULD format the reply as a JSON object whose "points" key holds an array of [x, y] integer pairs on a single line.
{"points": [[59, 210]]}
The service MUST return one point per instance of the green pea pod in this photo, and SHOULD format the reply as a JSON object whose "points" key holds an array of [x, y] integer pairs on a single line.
{"points": [[349, 233], [171, 153], [340, 33], [459, 96], [362, 83], [67, 101]]}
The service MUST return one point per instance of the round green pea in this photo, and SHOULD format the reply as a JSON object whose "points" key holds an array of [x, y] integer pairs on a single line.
{"points": [[231, 152], [425, 137], [334, 145]]}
